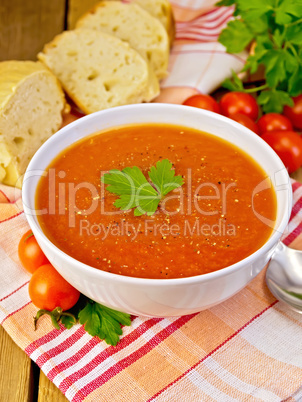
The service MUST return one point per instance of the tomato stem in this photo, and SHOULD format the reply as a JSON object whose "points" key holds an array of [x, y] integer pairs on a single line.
{"points": [[27, 237], [55, 315]]}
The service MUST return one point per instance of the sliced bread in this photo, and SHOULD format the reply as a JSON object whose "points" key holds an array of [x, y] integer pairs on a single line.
{"points": [[99, 71], [162, 10], [132, 24], [31, 107]]}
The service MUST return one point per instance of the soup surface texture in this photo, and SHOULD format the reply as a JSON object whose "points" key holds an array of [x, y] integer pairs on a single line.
{"points": [[215, 219]]}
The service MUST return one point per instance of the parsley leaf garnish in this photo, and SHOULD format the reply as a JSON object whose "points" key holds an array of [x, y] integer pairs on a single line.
{"points": [[163, 177], [135, 191], [276, 29], [103, 322]]}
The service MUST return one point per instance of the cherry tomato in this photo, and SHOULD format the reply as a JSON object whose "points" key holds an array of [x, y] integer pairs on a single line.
{"points": [[239, 102], [274, 122], [245, 121], [30, 253], [48, 289], [288, 145], [203, 102], [294, 113]]}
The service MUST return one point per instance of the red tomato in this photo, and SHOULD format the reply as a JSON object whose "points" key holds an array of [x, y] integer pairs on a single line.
{"points": [[239, 102], [274, 122], [288, 145], [245, 121], [294, 113], [48, 289], [30, 253], [203, 102]]}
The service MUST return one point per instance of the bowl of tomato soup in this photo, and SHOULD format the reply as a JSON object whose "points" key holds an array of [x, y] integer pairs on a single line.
{"points": [[180, 250]]}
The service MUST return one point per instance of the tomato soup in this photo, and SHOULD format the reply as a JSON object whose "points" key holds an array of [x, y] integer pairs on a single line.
{"points": [[224, 211]]}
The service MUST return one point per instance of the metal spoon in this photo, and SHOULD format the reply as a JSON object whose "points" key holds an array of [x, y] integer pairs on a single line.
{"points": [[284, 276]]}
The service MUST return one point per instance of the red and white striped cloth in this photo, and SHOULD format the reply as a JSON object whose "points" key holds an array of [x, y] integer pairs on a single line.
{"points": [[245, 349]]}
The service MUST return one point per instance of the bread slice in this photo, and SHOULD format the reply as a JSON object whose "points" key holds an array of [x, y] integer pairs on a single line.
{"points": [[31, 107], [162, 10], [134, 25], [99, 71]]}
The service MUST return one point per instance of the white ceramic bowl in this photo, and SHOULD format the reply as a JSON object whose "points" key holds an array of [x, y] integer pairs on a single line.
{"points": [[160, 297]]}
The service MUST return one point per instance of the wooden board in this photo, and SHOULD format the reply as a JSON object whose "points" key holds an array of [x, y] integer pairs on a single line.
{"points": [[48, 392], [16, 372], [20, 379], [25, 26]]}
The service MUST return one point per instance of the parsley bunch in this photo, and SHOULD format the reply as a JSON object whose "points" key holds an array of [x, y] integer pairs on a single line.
{"points": [[276, 28]]}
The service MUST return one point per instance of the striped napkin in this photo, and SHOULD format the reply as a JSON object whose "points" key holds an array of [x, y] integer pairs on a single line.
{"points": [[245, 349]]}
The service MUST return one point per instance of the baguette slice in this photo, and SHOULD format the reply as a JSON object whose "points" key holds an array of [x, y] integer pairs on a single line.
{"points": [[134, 25], [31, 107], [99, 71], [162, 10]]}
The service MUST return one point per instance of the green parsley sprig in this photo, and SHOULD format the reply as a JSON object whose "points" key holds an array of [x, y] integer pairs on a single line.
{"points": [[276, 28], [135, 191], [103, 322], [98, 320]]}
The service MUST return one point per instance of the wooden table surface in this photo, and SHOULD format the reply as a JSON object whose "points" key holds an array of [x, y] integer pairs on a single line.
{"points": [[21, 380]]}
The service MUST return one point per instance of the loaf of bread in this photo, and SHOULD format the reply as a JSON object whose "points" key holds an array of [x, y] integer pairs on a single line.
{"points": [[162, 10], [31, 107], [132, 24], [99, 71]]}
